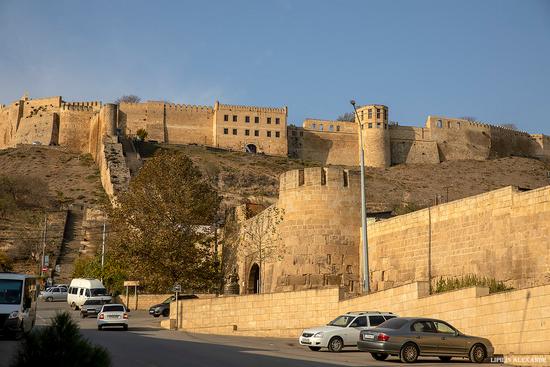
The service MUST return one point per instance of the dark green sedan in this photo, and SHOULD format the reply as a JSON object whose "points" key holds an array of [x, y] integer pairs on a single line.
{"points": [[411, 337]]}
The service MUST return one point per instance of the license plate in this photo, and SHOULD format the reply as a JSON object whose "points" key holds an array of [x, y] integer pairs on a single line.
{"points": [[368, 336], [113, 316], [306, 341]]}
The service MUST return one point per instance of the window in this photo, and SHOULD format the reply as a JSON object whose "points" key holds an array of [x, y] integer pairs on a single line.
{"points": [[256, 120], [376, 320], [269, 120], [247, 132], [458, 124], [55, 290], [423, 327], [277, 134], [378, 113], [337, 128], [269, 134], [320, 127], [346, 178], [234, 118], [331, 128], [301, 133], [113, 308], [256, 132], [247, 119], [369, 125], [225, 117], [378, 125], [394, 324], [370, 113], [342, 321], [234, 131], [439, 124], [225, 130], [88, 293], [313, 126], [443, 328], [277, 121], [293, 132], [361, 321]]}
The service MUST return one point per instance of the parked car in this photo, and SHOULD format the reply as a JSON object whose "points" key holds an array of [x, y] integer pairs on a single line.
{"points": [[91, 307], [112, 315], [54, 294], [342, 331], [410, 337], [164, 307]]}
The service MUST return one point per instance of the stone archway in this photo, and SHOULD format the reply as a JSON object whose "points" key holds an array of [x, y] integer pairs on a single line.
{"points": [[251, 148], [254, 279]]}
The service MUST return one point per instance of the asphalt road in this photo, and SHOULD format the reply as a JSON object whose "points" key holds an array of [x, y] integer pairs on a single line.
{"points": [[146, 344]]}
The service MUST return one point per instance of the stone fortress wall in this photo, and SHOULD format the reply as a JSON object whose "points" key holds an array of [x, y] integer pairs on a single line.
{"points": [[503, 235], [265, 130]]}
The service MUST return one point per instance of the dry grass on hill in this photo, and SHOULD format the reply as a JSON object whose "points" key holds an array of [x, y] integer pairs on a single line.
{"points": [[241, 176]]}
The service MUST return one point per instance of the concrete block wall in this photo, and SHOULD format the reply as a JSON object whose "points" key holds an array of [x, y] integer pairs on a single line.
{"points": [[517, 322]]}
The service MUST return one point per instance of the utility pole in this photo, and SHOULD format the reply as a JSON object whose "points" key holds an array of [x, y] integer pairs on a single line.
{"points": [[103, 248], [363, 206], [44, 243]]}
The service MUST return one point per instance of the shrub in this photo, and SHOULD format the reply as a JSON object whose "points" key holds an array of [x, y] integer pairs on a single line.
{"points": [[451, 284], [60, 344]]}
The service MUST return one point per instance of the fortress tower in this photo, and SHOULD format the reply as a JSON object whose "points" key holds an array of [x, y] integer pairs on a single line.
{"points": [[376, 135]]}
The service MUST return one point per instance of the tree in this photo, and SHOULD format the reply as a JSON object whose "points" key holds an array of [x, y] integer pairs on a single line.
{"points": [[113, 274], [164, 226], [5, 262], [348, 116], [260, 239], [509, 126], [60, 343], [128, 98], [469, 118], [141, 134]]}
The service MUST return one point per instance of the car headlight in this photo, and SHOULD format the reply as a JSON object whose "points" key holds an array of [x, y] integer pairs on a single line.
{"points": [[14, 315], [318, 335]]}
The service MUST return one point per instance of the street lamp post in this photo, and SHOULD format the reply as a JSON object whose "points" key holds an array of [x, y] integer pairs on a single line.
{"points": [[363, 205]]}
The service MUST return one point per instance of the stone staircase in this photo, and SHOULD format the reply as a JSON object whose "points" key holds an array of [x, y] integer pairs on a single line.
{"points": [[133, 159], [72, 236]]}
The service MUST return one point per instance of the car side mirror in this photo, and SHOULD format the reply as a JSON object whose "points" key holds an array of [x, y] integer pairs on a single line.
{"points": [[28, 303]]}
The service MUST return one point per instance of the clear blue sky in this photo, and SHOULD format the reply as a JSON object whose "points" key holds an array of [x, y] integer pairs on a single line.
{"points": [[488, 59]]}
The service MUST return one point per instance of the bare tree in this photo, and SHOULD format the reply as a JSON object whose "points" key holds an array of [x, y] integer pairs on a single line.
{"points": [[260, 239], [469, 118], [348, 116], [128, 98], [509, 126]]}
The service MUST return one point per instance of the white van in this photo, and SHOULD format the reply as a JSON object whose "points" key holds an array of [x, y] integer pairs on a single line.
{"points": [[82, 289], [18, 294]]}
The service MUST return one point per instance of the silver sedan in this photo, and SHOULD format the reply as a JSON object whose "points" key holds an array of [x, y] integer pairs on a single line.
{"points": [[54, 294], [410, 338]]}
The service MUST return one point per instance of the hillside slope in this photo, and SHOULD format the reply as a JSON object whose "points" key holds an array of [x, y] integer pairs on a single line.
{"points": [[241, 176]]}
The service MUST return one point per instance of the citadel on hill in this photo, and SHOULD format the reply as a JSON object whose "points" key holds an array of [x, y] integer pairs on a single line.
{"points": [[266, 130]]}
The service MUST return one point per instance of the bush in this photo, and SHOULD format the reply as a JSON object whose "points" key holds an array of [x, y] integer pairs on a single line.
{"points": [[451, 284], [60, 344]]}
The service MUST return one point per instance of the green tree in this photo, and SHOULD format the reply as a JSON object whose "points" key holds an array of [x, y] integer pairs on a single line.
{"points": [[113, 274], [141, 134], [164, 226], [60, 344], [5, 262]]}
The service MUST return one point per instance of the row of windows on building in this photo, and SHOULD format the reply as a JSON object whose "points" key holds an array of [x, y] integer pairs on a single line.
{"points": [[439, 124], [322, 127], [235, 118], [380, 113], [378, 125], [247, 132]]}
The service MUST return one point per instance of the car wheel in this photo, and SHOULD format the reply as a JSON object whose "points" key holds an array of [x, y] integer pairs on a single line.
{"points": [[335, 344], [166, 313], [408, 353], [315, 349], [83, 315], [478, 353], [156, 315], [125, 327], [73, 306], [379, 356], [99, 327], [49, 299], [445, 358]]}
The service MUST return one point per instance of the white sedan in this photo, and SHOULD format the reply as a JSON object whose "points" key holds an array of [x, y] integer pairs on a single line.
{"points": [[112, 315]]}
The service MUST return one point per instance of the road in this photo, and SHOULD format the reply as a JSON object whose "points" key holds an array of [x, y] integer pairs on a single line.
{"points": [[146, 344]]}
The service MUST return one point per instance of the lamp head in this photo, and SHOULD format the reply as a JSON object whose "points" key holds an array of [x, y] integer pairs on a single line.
{"points": [[352, 102]]}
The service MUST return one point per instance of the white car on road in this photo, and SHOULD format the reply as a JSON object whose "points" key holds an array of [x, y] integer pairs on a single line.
{"points": [[112, 315], [343, 331]]}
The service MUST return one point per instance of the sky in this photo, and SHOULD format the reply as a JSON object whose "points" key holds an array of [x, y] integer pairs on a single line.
{"points": [[487, 59]]}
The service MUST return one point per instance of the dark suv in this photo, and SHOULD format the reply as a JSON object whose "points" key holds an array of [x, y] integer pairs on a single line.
{"points": [[164, 307]]}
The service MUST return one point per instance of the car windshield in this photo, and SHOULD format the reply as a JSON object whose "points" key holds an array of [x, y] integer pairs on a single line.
{"points": [[113, 308], [169, 299], [342, 321], [395, 324], [98, 292], [10, 291]]}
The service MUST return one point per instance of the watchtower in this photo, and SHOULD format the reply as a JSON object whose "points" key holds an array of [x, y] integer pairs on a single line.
{"points": [[376, 135]]}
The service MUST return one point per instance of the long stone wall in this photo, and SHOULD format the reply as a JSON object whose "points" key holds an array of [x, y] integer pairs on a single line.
{"points": [[517, 322], [503, 234]]}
